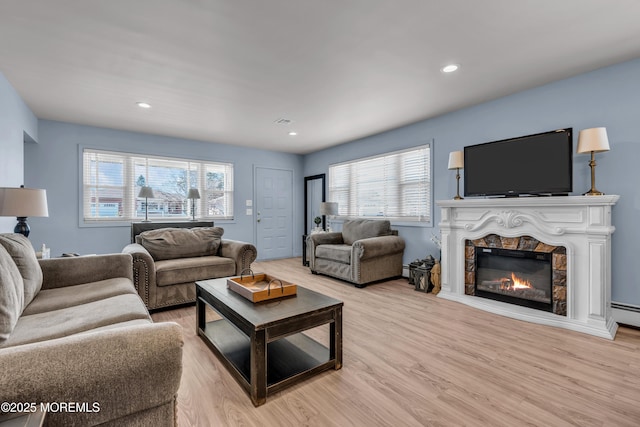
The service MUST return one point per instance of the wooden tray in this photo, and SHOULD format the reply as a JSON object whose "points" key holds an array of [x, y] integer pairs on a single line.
{"points": [[261, 287]]}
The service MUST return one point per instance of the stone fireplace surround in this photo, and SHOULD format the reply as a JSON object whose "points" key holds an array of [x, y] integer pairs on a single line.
{"points": [[527, 244], [580, 224]]}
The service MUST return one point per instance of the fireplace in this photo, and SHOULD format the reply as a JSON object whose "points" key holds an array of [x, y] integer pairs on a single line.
{"points": [[517, 270], [516, 277], [575, 232]]}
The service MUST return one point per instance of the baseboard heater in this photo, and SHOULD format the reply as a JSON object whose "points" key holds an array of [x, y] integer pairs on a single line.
{"points": [[627, 307], [626, 314], [405, 270]]}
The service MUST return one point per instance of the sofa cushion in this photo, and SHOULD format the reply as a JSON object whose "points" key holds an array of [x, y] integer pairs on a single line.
{"points": [[69, 296], [20, 249], [363, 229], [340, 253], [171, 243], [124, 324], [11, 294], [185, 270], [80, 318]]}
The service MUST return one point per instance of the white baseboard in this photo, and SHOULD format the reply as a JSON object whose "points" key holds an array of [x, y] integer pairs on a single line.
{"points": [[405, 270], [626, 314]]}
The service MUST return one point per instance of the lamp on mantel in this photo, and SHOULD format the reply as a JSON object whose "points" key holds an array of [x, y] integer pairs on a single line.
{"points": [[456, 161], [22, 203], [329, 209], [147, 193], [593, 141], [194, 194]]}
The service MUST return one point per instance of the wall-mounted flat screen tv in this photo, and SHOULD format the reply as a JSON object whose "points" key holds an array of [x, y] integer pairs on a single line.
{"points": [[540, 164]]}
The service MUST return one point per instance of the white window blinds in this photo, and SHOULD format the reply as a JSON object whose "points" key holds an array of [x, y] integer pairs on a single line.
{"points": [[396, 186], [112, 182]]}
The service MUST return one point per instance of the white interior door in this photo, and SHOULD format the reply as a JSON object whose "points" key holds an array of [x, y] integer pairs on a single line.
{"points": [[274, 213]]}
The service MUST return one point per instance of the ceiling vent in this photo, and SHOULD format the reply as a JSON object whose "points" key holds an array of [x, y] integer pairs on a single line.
{"points": [[283, 121]]}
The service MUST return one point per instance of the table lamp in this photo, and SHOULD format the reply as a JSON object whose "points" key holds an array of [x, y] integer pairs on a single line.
{"points": [[193, 195], [456, 161], [593, 141], [147, 193], [22, 203], [328, 209]]}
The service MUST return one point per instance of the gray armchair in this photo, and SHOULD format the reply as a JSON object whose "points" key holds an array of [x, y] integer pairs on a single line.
{"points": [[168, 261], [365, 251]]}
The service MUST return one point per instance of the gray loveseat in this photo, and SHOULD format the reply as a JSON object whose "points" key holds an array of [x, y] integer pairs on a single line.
{"points": [[74, 330], [365, 251], [168, 261]]}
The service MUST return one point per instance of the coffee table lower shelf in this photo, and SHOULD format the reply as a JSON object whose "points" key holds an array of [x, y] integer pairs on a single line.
{"points": [[289, 359], [264, 345]]}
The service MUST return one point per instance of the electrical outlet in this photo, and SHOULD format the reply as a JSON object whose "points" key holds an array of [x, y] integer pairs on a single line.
{"points": [[249, 211]]}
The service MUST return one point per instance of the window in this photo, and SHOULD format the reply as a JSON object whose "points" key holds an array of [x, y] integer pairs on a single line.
{"points": [[396, 186], [112, 182]]}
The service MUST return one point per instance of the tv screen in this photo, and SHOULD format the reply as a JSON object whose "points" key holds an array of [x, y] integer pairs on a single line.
{"points": [[539, 164]]}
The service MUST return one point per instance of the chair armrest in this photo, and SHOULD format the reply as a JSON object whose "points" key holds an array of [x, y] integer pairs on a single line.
{"points": [[61, 272], [377, 246], [242, 253], [334, 238], [317, 239], [125, 370], [144, 270]]}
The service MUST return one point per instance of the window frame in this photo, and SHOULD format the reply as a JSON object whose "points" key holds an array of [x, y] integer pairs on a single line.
{"points": [[129, 198], [398, 221]]}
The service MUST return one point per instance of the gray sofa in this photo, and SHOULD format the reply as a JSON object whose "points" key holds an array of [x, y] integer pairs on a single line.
{"points": [[364, 251], [168, 261], [75, 330]]}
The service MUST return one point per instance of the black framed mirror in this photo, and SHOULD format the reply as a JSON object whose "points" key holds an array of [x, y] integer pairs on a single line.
{"points": [[314, 194]]}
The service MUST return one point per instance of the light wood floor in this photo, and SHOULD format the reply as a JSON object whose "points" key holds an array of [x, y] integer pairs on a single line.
{"points": [[412, 359]]}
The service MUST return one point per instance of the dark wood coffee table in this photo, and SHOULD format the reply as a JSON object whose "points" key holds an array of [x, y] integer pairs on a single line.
{"points": [[261, 344]]}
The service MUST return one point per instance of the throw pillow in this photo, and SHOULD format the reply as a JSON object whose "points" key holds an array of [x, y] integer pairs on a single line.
{"points": [[363, 229], [20, 249], [172, 243], [11, 294]]}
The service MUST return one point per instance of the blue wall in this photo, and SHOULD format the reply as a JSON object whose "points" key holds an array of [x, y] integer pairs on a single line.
{"points": [[54, 164], [17, 125], [607, 97]]}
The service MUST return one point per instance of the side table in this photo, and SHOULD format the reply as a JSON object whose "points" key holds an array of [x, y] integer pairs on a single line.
{"points": [[305, 261]]}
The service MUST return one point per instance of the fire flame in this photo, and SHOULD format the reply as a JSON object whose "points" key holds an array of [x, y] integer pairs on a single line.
{"points": [[519, 283], [515, 283]]}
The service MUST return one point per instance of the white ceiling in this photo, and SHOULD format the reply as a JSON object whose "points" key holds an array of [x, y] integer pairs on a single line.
{"points": [[225, 70]]}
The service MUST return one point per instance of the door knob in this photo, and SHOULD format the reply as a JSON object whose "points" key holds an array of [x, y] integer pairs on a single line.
{"points": [[258, 217]]}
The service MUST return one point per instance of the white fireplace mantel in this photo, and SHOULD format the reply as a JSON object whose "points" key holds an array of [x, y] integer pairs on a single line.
{"points": [[582, 224]]}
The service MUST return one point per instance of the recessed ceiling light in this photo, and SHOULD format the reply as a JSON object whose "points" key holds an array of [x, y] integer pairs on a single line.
{"points": [[293, 133], [143, 104], [449, 68]]}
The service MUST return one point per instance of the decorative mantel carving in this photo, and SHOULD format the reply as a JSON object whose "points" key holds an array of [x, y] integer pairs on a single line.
{"points": [[514, 219], [581, 224]]}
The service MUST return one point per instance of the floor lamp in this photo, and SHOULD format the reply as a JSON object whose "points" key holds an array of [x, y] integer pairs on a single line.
{"points": [[22, 203], [147, 193]]}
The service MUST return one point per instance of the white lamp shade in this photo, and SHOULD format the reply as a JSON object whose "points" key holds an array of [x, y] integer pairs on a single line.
{"points": [[329, 208], [193, 194], [146, 192], [23, 202], [594, 139], [456, 160]]}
